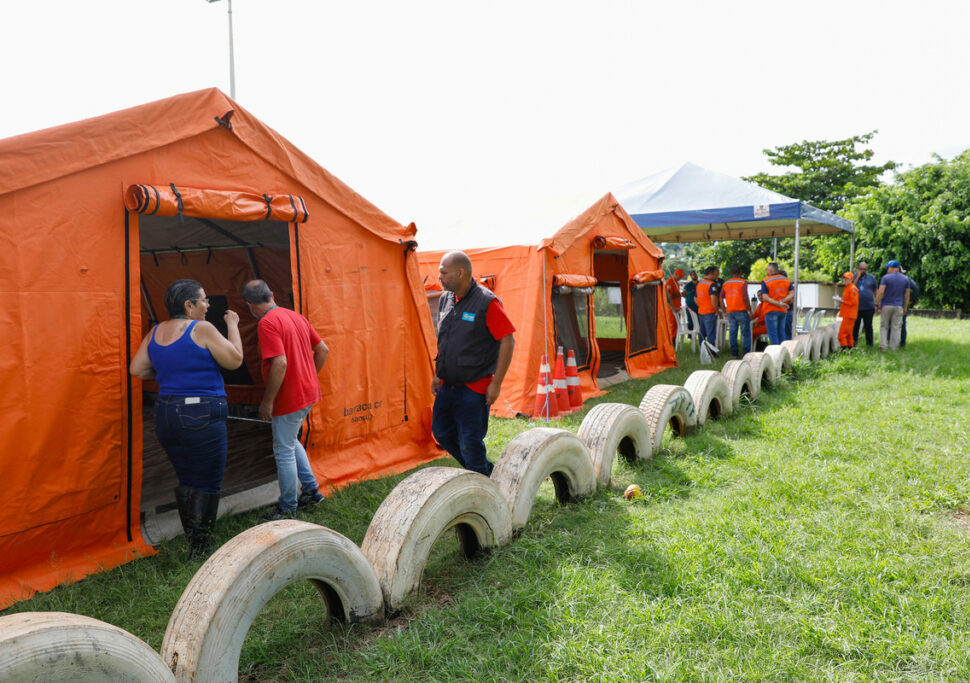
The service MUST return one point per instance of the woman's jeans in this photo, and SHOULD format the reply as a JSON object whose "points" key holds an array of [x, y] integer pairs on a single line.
{"points": [[192, 430], [292, 463]]}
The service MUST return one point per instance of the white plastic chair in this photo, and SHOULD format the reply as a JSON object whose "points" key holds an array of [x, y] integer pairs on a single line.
{"points": [[693, 334], [805, 327]]}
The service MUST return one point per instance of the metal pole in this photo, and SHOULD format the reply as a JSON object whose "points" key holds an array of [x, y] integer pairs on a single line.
{"points": [[798, 242], [232, 59], [851, 251], [774, 248]]}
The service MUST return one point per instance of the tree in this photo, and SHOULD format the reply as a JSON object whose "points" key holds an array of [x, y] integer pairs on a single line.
{"points": [[827, 175], [922, 220]]}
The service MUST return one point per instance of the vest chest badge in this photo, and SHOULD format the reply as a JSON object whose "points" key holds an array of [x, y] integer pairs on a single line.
{"points": [[468, 317]]}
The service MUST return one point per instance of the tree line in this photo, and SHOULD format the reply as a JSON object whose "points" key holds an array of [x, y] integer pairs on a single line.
{"points": [[921, 217]]}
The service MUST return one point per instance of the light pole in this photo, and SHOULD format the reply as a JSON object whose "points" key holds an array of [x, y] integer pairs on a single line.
{"points": [[232, 61]]}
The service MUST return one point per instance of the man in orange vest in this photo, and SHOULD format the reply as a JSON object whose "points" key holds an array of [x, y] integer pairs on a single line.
{"points": [[708, 305], [776, 291], [849, 310], [672, 291], [734, 293]]}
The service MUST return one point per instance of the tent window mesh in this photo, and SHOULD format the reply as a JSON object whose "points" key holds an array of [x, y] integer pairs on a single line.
{"points": [[434, 298], [571, 317], [643, 325]]}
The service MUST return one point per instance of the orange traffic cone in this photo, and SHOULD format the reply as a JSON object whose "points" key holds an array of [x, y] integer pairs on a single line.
{"points": [[545, 406], [572, 383], [559, 380]]}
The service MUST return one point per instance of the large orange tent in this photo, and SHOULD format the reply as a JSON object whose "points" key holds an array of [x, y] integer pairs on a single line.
{"points": [[594, 287], [98, 217]]}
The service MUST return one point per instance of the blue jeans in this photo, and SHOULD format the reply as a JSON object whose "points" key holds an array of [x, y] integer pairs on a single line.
{"points": [[739, 319], [708, 323], [459, 422], [194, 436], [775, 322], [292, 463]]}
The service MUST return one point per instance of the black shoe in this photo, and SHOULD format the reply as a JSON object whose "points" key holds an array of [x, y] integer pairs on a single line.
{"points": [[278, 513], [309, 500]]}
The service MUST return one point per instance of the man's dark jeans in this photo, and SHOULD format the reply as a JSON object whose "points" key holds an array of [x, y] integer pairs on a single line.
{"points": [[865, 321], [459, 422]]}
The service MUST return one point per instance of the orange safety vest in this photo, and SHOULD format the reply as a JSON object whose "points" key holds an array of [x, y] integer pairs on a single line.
{"points": [[704, 304], [736, 295], [778, 286]]}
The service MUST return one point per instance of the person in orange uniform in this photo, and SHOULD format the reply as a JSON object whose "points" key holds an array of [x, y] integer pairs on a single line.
{"points": [[734, 293], [849, 310], [708, 305], [672, 291], [776, 293], [758, 327]]}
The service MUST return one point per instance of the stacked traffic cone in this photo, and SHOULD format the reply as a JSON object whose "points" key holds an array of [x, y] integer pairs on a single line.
{"points": [[546, 405], [559, 380], [572, 383]]}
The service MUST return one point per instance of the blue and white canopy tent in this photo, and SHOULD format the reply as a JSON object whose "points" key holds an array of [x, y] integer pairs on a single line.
{"points": [[694, 204]]}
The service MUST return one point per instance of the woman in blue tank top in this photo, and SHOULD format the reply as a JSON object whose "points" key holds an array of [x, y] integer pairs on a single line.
{"points": [[184, 355]]}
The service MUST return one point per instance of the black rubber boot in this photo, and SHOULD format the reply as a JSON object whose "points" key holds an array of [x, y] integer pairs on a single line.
{"points": [[205, 508], [183, 495]]}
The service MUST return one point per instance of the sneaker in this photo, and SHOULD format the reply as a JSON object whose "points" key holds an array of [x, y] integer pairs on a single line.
{"points": [[278, 513], [309, 500]]}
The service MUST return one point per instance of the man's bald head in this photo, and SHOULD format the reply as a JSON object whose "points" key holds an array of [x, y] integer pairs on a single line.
{"points": [[455, 272]]}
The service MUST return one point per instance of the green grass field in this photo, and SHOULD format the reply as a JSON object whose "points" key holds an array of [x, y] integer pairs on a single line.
{"points": [[820, 533]]}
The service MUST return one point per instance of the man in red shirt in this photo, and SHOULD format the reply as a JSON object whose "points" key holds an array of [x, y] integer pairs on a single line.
{"points": [[292, 355], [475, 345], [672, 291]]}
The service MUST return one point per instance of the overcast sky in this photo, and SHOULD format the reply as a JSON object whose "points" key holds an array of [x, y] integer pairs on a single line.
{"points": [[494, 123]]}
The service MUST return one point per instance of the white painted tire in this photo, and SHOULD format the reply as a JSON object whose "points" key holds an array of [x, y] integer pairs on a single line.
{"points": [[56, 646], [418, 511], [611, 428], [781, 358], [668, 405], [711, 395], [740, 379], [821, 341], [795, 348], [535, 455], [834, 345], [809, 351], [206, 631], [763, 372]]}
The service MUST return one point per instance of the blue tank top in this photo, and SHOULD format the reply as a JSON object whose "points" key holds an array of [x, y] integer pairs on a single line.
{"points": [[183, 368]]}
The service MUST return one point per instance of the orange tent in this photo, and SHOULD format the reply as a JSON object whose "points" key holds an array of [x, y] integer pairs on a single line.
{"points": [[594, 287], [99, 217]]}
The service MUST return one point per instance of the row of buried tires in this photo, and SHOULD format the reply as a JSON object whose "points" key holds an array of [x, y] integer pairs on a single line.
{"points": [[366, 584]]}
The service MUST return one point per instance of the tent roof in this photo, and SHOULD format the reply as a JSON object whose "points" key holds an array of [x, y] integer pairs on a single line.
{"points": [[45, 155], [692, 204], [589, 219]]}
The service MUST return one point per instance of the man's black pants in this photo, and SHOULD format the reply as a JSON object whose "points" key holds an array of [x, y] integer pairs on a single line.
{"points": [[865, 318]]}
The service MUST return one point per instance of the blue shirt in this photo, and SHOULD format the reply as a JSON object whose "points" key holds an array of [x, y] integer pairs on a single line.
{"points": [[867, 292], [896, 285]]}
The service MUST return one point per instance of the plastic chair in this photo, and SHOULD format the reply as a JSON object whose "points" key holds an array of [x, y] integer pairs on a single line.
{"points": [[693, 334], [805, 328]]}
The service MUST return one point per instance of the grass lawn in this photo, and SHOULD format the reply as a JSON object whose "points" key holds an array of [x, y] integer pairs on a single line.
{"points": [[820, 533]]}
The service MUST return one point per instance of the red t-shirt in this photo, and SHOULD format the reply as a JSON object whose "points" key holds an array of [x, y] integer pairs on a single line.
{"points": [[500, 326], [283, 332]]}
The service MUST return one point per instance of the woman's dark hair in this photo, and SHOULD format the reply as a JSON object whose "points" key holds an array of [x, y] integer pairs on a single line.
{"points": [[178, 293]]}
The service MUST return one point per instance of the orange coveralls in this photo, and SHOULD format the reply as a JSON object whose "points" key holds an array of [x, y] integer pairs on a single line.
{"points": [[673, 291], [849, 312]]}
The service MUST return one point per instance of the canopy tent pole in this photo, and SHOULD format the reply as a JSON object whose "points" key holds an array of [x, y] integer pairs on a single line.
{"points": [[852, 251], [774, 248], [797, 247]]}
